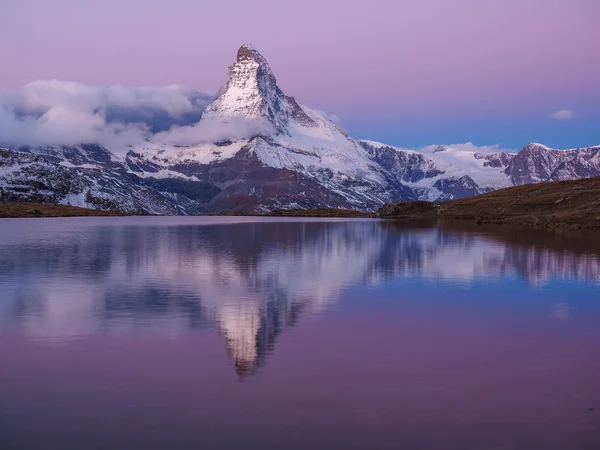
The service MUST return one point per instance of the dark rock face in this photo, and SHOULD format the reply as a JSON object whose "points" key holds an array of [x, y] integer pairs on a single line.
{"points": [[452, 188], [265, 188], [497, 160], [536, 163], [28, 178], [245, 185], [244, 53], [137, 163], [407, 167], [91, 154]]}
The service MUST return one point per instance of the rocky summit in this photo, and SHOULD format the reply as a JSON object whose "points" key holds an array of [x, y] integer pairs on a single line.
{"points": [[265, 151]]}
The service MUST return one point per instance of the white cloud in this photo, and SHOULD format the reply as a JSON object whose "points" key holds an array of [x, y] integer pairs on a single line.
{"points": [[214, 130], [335, 119], [174, 100], [67, 113], [64, 126], [467, 148], [563, 114]]}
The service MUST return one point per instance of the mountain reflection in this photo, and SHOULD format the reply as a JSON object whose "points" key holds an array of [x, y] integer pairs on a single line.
{"points": [[249, 280]]}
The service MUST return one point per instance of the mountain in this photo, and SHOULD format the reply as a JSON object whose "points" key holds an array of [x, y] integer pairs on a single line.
{"points": [[257, 149], [251, 91], [537, 163]]}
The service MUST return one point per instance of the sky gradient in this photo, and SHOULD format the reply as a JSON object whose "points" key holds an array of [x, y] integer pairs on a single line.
{"points": [[408, 73]]}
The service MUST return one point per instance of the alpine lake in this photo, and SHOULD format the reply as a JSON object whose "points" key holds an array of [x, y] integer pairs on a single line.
{"points": [[282, 333]]}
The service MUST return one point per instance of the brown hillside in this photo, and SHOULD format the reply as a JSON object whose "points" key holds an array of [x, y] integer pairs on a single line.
{"points": [[319, 212], [14, 209], [563, 204]]}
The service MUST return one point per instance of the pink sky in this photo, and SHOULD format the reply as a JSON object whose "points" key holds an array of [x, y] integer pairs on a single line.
{"points": [[357, 59]]}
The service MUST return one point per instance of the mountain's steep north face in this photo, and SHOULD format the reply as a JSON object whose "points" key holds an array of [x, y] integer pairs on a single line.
{"points": [[287, 156]]}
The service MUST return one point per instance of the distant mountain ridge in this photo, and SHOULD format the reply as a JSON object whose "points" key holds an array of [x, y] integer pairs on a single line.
{"points": [[288, 156]]}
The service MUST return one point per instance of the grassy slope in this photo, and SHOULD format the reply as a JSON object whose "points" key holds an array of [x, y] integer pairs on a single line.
{"points": [[564, 204], [14, 209], [318, 212]]}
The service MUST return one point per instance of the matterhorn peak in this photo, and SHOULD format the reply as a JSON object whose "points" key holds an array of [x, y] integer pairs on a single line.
{"points": [[251, 92], [247, 51]]}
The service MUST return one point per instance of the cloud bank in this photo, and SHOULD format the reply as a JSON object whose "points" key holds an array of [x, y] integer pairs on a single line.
{"points": [[214, 130], [67, 113], [467, 147], [563, 114]]}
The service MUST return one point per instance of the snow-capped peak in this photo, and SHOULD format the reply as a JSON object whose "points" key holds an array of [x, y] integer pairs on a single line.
{"points": [[533, 145], [537, 145], [247, 51], [251, 92]]}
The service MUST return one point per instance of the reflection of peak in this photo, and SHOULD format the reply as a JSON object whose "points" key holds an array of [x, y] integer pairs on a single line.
{"points": [[244, 368], [251, 329], [251, 92], [239, 324], [251, 280]]}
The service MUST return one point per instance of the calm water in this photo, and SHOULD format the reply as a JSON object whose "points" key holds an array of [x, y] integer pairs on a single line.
{"points": [[206, 333]]}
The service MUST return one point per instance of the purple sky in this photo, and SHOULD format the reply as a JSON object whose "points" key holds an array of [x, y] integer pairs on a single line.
{"points": [[409, 72]]}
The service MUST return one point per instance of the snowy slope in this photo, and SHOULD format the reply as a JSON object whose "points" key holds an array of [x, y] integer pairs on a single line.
{"points": [[433, 170], [26, 177]]}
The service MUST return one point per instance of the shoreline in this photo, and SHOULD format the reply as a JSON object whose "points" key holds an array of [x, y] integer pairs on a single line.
{"points": [[573, 204]]}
